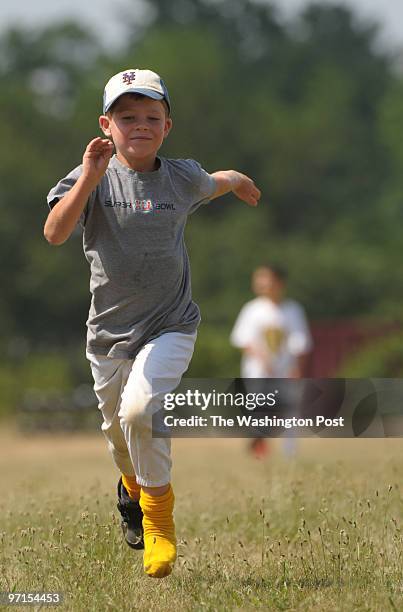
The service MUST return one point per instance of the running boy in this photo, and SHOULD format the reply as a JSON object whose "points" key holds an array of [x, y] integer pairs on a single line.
{"points": [[142, 322]]}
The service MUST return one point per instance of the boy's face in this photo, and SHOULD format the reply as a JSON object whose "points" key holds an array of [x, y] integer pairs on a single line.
{"points": [[137, 126], [266, 283]]}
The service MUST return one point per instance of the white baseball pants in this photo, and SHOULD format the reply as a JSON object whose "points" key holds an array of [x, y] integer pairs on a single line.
{"points": [[129, 392]]}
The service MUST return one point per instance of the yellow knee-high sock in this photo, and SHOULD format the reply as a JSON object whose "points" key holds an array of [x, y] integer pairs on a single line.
{"points": [[131, 486], [159, 533]]}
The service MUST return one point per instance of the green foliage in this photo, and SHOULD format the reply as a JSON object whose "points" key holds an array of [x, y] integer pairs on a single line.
{"points": [[39, 373], [213, 357], [46, 372], [311, 112], [381, 359]]}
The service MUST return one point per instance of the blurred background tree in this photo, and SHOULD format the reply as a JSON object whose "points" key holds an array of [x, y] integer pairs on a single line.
{"points": [[311, 109]]}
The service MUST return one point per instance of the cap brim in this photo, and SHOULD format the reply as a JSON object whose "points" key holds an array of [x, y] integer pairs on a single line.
{"points": [[150, 93]]}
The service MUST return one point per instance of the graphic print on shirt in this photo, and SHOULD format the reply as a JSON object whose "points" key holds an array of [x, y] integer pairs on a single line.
{"points": [[142, 206], [275, 338]]}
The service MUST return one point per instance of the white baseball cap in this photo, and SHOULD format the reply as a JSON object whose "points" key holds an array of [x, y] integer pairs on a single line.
{"points": [[135, 80]]}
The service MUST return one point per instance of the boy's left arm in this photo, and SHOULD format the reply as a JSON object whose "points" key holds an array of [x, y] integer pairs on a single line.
{"points": [[240, 184]]}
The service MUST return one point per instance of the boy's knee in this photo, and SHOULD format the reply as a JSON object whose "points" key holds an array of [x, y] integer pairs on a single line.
{"points": [[134, 408]]}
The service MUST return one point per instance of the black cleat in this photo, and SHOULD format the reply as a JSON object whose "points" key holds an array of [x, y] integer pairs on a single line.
{"points": [[132, 518]]}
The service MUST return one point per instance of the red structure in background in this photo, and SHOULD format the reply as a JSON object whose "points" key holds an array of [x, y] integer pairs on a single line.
{"points": [[334, 341]]}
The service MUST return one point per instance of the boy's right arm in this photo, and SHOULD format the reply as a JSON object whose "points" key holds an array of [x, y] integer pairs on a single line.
{"points": [[64, 216]]}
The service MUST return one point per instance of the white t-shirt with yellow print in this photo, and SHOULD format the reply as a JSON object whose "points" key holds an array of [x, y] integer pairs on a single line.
{"points": [[277, 335]]}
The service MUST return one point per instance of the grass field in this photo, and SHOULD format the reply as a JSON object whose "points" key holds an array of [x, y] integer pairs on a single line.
{"points": [[320, 532]]}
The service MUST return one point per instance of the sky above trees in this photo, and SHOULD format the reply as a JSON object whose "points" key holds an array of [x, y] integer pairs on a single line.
{"points": [[108, 18]]}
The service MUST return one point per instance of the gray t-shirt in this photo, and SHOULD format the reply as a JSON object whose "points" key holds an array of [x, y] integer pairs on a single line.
{"points": [[133, 239]]}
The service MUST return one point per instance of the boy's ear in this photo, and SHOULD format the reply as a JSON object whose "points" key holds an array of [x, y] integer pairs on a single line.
{"points": [[168, 126], [104, 124]]}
